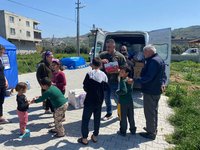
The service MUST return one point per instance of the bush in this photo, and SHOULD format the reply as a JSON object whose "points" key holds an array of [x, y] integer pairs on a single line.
{"points": [[177, 94]]}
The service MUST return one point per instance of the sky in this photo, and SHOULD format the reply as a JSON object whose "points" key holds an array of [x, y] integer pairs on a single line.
{"points": [[110, 15]]}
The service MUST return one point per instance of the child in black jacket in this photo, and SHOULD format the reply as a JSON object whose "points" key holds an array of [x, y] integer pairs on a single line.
{"points": [[94, 84], [22, 107]]}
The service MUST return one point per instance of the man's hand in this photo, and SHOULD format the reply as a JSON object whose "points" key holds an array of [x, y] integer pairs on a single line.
{"points": [[163, 88], [6, 85], [104, 61]]}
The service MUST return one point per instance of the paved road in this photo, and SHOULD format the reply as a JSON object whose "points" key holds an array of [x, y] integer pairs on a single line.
{"points": [[108, 139]]}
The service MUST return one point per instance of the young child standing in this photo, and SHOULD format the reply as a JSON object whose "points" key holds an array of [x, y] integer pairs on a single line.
{"points": [[22, 107], [58, 79], [126, 103], [94, 85], [58, 102]]}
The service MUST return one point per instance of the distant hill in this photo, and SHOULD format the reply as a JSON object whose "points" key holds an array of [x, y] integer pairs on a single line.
{"points": [[191, 32]]}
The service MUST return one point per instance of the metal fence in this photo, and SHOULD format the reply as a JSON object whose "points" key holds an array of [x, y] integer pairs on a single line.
{"points": [[176, 57]]}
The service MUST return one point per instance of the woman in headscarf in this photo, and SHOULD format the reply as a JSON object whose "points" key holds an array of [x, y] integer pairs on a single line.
{"points": [[45, 70]]}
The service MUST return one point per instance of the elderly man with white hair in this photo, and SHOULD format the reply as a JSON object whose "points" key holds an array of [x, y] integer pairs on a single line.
{"points": [[152, 80]]}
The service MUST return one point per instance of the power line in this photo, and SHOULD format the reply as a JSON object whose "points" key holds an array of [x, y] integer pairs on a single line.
{"points": [[50, 13]]}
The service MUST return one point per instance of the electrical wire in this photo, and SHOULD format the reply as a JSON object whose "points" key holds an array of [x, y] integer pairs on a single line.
{"points": [[49, 13]]}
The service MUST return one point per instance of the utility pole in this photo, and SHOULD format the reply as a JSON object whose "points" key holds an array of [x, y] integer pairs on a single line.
{"points": [[78, 27]]}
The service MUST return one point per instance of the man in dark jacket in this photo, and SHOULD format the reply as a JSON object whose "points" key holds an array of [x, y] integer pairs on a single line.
{"points": [[152, 79]]}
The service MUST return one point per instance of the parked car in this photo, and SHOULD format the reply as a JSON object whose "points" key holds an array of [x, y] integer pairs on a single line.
{"points": [[191, 51]]}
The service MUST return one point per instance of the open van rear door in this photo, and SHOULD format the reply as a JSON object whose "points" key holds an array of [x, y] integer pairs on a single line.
{"points": [[99, 42], [161, 39]]}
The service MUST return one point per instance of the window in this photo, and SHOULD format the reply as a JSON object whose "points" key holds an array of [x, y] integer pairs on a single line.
{"points": [[12, 19], [27, 23], [12, 31], [28, 34], [162, 50]]}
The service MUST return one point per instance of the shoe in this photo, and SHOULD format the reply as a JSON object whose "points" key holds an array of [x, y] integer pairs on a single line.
{"points": [[58, 136], [80, 140], [27, 130], [147, 131], [133, 131], [47, 112], [120, 133], [94, 138], [107, 117], [1, 128], [4, 121], [26, 134], [52, 131], [51, 125], [148, 135]]}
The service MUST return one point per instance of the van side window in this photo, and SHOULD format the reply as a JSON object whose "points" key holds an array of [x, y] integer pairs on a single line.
{"points": [[99, 47], [162, 50]]}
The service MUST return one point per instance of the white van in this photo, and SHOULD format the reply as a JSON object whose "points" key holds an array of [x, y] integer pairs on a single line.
{"points": [[136, 40]]}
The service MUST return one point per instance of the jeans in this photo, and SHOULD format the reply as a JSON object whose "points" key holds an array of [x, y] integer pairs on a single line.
{"points": [[87, 113], [2, 95], [110, 93]]}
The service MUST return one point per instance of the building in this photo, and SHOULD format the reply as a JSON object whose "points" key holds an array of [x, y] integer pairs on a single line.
{"points": [[19, 30]]}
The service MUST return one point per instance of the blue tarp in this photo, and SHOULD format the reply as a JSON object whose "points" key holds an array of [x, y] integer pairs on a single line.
{"points": [[73, 62], [10, 60]]}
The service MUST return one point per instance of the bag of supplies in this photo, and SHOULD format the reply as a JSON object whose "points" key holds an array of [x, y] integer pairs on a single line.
{"points": [[76, 98]]}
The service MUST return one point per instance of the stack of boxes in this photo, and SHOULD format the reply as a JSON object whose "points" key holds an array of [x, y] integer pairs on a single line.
{"points": [[137, 69]]}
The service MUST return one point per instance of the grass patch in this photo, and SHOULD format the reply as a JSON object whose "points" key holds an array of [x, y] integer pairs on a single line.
{"points": [[28, 62], [184, 98]]}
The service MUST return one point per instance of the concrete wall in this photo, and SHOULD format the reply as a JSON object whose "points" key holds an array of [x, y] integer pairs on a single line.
{"points": [[25, 46], [176, 57]]}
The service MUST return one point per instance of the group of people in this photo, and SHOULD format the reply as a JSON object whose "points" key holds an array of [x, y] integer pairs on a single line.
{"points": [[99, 84]]}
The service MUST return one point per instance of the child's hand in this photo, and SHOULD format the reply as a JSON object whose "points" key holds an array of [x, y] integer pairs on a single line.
{"points": [[33, 101], [130, 81], [29, 102]]}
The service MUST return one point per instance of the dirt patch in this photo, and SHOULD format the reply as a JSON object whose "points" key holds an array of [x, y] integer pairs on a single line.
{"points": [[193, 87], [178, 78]]}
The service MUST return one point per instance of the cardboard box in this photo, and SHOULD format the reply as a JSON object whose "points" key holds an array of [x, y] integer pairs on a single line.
{"points": [[137, 71], [139, 64]]}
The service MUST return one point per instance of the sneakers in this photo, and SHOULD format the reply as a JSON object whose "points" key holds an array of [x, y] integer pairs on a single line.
{"points": [[133, 131], [4, 121], [47, 112], [52, 131], [121, 133], [51, 125], [148, 135], [107, 117], [58, 135], [26, 134]]}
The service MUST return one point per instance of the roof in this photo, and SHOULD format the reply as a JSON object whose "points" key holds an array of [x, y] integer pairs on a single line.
{"points": [[7, 44], [195, 41]]}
